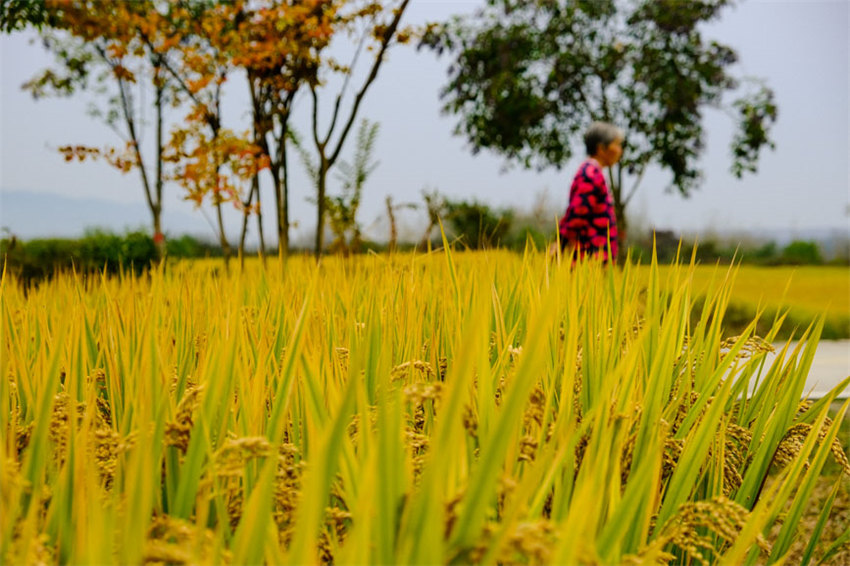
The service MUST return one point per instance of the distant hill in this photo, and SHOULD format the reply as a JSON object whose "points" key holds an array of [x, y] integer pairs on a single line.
{"points": [[30, 215]]}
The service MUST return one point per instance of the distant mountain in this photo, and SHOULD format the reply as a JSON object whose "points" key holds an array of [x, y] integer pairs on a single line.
{"points": [[30, 215]]}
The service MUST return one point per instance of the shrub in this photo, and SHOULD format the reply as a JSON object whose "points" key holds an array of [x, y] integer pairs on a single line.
{"points": [[477, 225], [802, 253], [97, 250], [187, 246]]}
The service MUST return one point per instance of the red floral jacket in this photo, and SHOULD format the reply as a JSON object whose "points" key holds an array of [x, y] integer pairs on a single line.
{"points": [[589, 221]]}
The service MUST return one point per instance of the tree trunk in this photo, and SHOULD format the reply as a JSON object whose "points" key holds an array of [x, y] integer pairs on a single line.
{"points": [[280, 211], [245, 217], [328, 159], [393, 229], [158, 238], [260, 132], [156, 210], [320, 224], [622, 225], [619, 210], [225, 246], [283, 205], [280, 179], [262, 249]]}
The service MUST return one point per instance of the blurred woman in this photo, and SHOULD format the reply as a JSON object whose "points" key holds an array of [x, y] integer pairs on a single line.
{"points": [[588, 229]]}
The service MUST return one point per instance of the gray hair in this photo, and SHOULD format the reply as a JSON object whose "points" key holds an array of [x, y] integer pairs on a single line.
{"points": [[601, 133]]}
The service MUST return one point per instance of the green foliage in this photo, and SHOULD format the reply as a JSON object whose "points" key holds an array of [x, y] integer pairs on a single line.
{"points": [[97, 250], [342, 209], [74, 69], [754, 115], [18, 14], [765, 254], [40, 259], [712, 250], [524, 234], [476, 225], [802, 253], [188, 247]]}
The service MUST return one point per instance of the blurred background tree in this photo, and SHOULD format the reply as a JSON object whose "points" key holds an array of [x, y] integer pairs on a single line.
{"points": [[342, 208], [98, 48], [528, 77]]}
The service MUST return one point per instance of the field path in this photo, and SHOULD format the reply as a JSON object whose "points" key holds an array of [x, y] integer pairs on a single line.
{"points": [[830, 366]]}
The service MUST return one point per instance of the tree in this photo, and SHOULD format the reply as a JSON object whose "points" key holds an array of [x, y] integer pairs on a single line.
{"points": [[378, 27], [801, 252], [198, 57], [529, 76], [392, 245], [217, 166], [97, 47], [435, 206], [341, 209], [184, 50], [278, 43]]}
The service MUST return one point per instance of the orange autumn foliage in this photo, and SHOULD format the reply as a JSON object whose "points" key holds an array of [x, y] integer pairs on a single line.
{"points": [[188, 49]]}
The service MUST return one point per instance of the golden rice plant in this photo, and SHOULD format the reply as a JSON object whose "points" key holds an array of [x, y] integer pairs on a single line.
{"points": [[409, 409]]}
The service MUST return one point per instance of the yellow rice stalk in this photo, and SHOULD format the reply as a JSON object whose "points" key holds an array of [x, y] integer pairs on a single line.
{"points": [[449, 407]]}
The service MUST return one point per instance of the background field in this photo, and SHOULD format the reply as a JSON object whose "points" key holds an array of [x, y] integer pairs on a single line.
{"points": [[804, 292]]}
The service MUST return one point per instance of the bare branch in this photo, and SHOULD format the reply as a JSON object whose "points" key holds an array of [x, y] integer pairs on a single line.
{"points": [[635, 186], [127, 109], [385, 41], [339, 97], [315, 121]]}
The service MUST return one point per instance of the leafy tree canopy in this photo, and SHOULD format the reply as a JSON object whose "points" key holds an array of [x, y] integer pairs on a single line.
{"points": [[18, 14], [529, 76]]}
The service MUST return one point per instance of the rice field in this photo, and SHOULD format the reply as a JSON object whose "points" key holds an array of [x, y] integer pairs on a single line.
{"points": [[443, 408], [803, 293]]}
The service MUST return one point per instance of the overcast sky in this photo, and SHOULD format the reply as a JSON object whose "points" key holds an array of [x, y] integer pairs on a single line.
{"points": [[800, 48]]}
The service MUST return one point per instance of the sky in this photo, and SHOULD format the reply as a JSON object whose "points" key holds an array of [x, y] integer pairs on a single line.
{"points": [[800, 48]]}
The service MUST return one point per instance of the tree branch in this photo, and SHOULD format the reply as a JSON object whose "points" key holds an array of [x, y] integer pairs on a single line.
{"points": [[159, 91], [315, 121], [635, 186], [211, 120], [338, 102], [388, 35], [127, 109]]}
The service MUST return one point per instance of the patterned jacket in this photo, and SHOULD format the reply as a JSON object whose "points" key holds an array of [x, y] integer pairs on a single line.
{"points": [[589, 221]]}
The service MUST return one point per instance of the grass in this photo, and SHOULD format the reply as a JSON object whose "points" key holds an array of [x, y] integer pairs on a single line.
{"points": [[440, 408]]}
